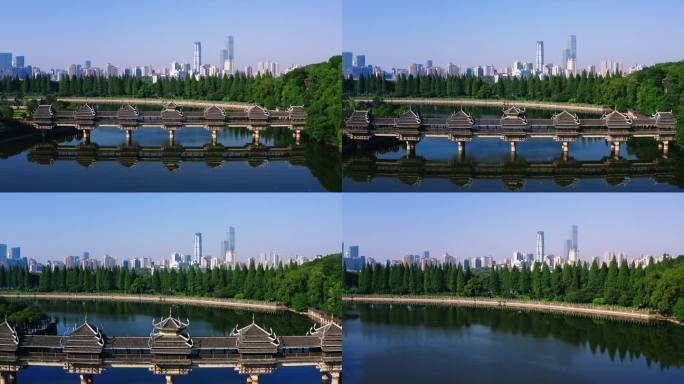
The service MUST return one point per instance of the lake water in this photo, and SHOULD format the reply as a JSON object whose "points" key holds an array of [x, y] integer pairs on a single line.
{"points": [[316, 166], [433, 344], [134, 319]]}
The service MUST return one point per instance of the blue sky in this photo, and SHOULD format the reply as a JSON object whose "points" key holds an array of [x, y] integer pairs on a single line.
{"points": [[496, 224], [399, 32], [157, 32], [53, 225]]}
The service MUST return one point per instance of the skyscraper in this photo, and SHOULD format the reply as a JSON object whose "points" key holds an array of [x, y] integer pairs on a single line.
{"points": [[347, 63], [227, 56], [19, 62], [197, 249], [539, 256], [228, 249], [571, 242], [354, 251], [539, 57], [570, 53], [15, 253], [3, 251], [197, 57], [5, 61]]}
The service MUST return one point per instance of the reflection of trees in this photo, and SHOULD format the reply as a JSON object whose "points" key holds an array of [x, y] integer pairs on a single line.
{"points": [[222, 320], [657, 343]]}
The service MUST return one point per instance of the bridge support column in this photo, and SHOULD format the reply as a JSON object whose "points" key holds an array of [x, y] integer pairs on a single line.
{"points": [[170, 379], [172, 137], [214, 137], [86, 378], [410, 148], [461, 150], [666, 148], [255, 136], [565, 150], [513, 146], [129, 136], [8, 377], [297, 135], [252, 379], [325, 378], [335, 377], [616, 149], [86, 136]]}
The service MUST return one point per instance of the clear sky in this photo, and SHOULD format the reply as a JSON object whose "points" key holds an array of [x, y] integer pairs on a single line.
{"points": [[399, 32], [156, 32], [53, 225], [497, 224]]}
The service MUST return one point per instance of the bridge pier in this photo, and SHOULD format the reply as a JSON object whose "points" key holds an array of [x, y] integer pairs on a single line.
{"points": [[335, 377], [615, 151], [170, 379], [513, 146], [252, 379], [325, 379], [86, 136], [86, 378], [214, 137], [8, 377], [129, 136], [410, 148], [255, 136], [666, 148], [297, 135], [461, 150], [171, 137]]}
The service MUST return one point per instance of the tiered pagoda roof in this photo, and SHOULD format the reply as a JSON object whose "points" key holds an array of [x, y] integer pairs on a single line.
{"points": [[85, 339], [214, 113], [84, 112], [409, 119], [358, 119], [513, 117], [460, 120], [172, 113], [617, 120], [665, 120], [44, 112], [514, 111], [253, 339], [257, 113], [330, 336], [170, 337], [296, 114], [565, 119], [9, 340], [127, 113]]}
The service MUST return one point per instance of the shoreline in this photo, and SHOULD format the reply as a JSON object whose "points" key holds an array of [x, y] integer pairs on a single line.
{"points": [[540, 306], [589, 108], [317, 315], [160, 102]]}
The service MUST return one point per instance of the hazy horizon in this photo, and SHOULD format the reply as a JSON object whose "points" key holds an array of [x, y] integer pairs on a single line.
{"points": [[138, 33], [497, 224], [470, 33], [128, 225]]}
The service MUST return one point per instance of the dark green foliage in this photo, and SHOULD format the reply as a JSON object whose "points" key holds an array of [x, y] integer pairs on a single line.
{"points": [[21, 314], [659, 286], [315, 284]]}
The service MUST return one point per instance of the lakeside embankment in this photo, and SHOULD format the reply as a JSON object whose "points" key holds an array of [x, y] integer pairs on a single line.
{"points": [[571, 107], [160, 102], [317, 315], [542, 306]]}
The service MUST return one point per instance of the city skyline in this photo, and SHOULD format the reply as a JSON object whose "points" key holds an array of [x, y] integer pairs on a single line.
{"points": [[149, 39], [155, 226], [434, 37], [497, 226]]}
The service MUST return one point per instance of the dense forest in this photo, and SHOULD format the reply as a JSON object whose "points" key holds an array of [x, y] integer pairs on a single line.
{"points": [[21, 314], [315, 284], [659, 286], [656, 88], [316, 86]]}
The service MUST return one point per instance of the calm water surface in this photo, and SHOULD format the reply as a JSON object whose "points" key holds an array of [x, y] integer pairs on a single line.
{"points": [[317, 169], [133, 319], [419, 344]]}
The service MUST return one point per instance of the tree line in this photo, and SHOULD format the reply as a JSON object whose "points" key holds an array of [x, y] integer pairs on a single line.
{"points": [[659, 286], [314, 284], [656, 88], [317, 87]]}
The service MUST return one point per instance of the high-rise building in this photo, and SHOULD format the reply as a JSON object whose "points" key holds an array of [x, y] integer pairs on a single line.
{"points": [[3, 251], [570, 53], [88, 64], [229, 244], [197, 249], [15, 253], [197, 56], [227, 56], [539, 254], [360, 61], [539, 57], [354, 251], [19, 62], [5, 61], [347, 63]]}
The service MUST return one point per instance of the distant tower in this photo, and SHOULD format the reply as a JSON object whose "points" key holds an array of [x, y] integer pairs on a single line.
{"points": [[228, 56], [540, 247], [197, 250], [539, 57], [197, 57]]}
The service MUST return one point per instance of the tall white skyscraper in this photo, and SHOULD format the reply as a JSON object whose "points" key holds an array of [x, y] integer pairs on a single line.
{"points": [[228, 249], [539, 57], [197, 57], [227, 56], [197, 249], [539, 255]]}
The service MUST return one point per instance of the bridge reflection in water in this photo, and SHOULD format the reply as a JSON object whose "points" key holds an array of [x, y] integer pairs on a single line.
{"points": [[171, 351], [171, 155], [564, 171]]}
